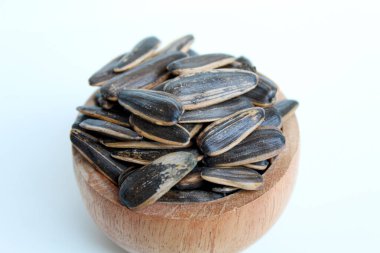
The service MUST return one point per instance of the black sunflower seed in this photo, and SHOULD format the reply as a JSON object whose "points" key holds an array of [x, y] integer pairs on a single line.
{"points": [[240, 177], [212, 87], [224, 134], [286, 107], [215, 112], [99, 113], [146, 75], [147, 184], [109, 129], [143, 50], [264, 94], [98, 156], [181, 44], [146, 156], [105, 73], [157, 107], [176, 134], [199, 63], [262, 165], [261, 145]]}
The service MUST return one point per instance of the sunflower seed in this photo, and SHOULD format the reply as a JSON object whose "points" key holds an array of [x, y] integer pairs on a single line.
{"points": [[78, 120], [264, 94], [212, 87], [124, 175], [193, 129], [262, 165], [286, 107], [99, 113], [272, 118], [215, 112], [261, 145], [239, 177], [97, 155], [109, 129], [223, 189], [141, 144], [181, 44], [147, 184], [246, 64], [190, 196], [105, 73], [157, 107], [224, 134], [191, 53], [199, 63], [146, 156], [172, 135], [143, 50], [147, 75], [191, 181], [102, 102], [97, 137], [242, 63]]}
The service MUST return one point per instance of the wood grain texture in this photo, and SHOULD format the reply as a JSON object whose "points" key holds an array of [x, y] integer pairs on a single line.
{"points": [[228, 225]]}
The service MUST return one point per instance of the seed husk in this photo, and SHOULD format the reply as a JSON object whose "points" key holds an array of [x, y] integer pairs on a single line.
{"points": [[146, 156], [246, 64], [147, 184], [146, 75], [286, 107], [172, 135], [142, 51], [106, 72], [212, 87], [190, 196], [191, 181], [99, 113], [194, 64], [181, 44], [272, 118], [191, 52], [102, 102], [98, 156], [125, 174], [260, 145], [264, 94], [193, 129], [78, 120], [97, 137], [240, 177], [157, 107], [242, 63], [262, 165], [109, 129], [223, 189], [224, 134], [144, 144], [215, 112]]}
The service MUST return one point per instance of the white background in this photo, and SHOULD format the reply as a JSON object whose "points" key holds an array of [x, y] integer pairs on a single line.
{"points": [[323, 53]]}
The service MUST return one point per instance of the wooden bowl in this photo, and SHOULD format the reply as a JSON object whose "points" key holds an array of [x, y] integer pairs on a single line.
{"points": [[229, 224]]}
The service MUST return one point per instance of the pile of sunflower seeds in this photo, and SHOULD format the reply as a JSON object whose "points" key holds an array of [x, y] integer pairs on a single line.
{"points": [[174, 126]]}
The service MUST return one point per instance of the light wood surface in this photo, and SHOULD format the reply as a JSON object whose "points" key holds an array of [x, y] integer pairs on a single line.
{"points": [[228, 225]]}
